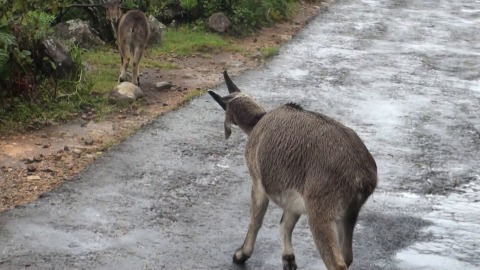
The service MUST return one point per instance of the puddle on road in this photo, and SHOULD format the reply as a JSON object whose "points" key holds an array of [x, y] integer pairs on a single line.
{"points": [[420, 261], [476, 87], [455, 231], [295, 74]]}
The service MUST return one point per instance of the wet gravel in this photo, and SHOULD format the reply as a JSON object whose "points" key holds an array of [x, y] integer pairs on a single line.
{"points": [[404, 74]]}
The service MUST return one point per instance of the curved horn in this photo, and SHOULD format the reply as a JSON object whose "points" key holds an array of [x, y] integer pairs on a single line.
{"points": [[230, 85]]}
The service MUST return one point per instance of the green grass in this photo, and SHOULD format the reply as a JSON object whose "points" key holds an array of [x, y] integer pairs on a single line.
{"points": [[184, 41], [105, 67], [153, 63], [102, 70], [104, 62], [194, 94], [18, 115], [269, 52]]}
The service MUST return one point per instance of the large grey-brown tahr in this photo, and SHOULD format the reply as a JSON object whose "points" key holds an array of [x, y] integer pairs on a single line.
{"points": [[132, 32], [307, 163]]}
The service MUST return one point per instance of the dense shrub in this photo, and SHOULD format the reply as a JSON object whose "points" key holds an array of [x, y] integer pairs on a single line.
{"points": [[246, 15], [23, 23], [21, 34], [26, 91]]}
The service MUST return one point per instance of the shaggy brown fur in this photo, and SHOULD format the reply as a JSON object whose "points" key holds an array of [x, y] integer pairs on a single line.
{"points": [[132, 32], [307, 163]]}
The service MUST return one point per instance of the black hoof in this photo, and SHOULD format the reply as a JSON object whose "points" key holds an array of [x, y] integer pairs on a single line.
{"points": [[243, 258], [120, 80], [289, 262]]}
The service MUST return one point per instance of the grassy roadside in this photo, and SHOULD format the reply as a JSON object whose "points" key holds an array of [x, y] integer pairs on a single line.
{"points": [[105, 61], [190, 66], [101, 72]]}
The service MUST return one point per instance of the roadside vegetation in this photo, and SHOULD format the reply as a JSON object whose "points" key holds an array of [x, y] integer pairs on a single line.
{"points": [[34, 94]]}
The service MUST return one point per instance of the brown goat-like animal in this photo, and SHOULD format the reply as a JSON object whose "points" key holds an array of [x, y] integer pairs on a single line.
{"points": [[132, 32], [307, 163]]}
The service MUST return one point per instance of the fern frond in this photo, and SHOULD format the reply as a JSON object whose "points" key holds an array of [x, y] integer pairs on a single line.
{"points": [[6, 39], [3, 65], [3, 57]]}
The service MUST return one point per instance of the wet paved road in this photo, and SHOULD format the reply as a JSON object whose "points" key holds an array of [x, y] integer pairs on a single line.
{"points": [[405, 74]]}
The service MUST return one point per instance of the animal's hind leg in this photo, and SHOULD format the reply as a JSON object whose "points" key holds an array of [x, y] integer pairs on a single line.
{"points": [[137, 55], [125, 58], [258, 208], [289, 219], [324, 230], [346, 226]]}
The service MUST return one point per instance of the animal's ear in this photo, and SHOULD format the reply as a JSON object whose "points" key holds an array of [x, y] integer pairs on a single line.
{"points": [[230, 85], [218, 99]]}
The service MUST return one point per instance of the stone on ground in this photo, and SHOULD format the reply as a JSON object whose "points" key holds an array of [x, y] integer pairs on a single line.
{"points": [[125, 91]]}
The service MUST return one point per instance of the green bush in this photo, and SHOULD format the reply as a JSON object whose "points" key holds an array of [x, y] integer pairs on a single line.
{"points": [[246, 15], [7, 41], [19, 38], [25, 93]]}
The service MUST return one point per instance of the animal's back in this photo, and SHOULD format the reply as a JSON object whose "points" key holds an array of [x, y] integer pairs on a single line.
{"points": [[291, 146], [134, 28]]}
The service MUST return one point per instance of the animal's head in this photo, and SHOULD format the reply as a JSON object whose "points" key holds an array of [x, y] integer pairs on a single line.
{"points": [[113, 12], [240, 109]]}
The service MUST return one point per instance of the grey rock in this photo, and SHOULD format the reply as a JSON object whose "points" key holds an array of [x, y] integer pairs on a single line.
{"points": [[285, 38], [77, 32], [57, 54], [218, 22], [77, 152], [88, 140], [157, 31], [31, 167], [125, 91], [34, 178], [163, 85], [83, 123]]}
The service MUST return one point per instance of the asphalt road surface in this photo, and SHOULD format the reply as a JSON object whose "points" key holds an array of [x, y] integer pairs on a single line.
{"points": [[405, 74]]}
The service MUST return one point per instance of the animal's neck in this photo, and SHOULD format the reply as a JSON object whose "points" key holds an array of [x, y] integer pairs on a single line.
{"points": [[115, 25], [253, 120]]}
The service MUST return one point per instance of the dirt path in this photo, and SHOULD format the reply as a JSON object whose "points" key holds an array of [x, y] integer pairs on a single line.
{"points": [[36, 162]]}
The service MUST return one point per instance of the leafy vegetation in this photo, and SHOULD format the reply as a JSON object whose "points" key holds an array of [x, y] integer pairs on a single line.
{"points": [[178, 41], [269, 52], [32, 93], [185, 41], [32, 96], [246, 15]]}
